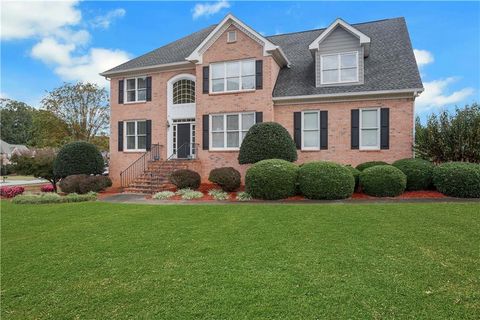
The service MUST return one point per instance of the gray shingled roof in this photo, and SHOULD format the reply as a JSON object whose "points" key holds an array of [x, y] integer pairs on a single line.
{"points": [[390, 65], [175, 51]]}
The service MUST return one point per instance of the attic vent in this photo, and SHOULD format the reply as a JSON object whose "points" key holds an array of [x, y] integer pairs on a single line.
{"points": [[231, 36]]}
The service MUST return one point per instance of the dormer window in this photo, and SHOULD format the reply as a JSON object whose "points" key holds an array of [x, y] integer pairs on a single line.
{"points": [[339, 68], [231, 36]]}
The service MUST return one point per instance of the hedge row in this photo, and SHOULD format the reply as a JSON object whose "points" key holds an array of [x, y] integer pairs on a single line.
{"points": [[278, 179]]}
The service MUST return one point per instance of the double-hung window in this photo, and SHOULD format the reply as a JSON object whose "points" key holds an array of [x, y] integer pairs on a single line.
{"points": [[136, 89], [310, 130], [370, 129], [136, 135], [228, 130], [232, 76], [339, 68]]}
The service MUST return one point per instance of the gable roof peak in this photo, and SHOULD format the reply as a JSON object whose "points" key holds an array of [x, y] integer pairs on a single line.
{"points": [[269, 48], [363, 38]]}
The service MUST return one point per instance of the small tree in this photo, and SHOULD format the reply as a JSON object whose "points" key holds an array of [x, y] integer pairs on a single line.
{"points": [[267, 140], [78, 158], [39, 165], [448, 137]]}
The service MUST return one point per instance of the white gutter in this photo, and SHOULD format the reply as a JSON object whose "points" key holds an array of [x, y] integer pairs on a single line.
{"points": [[348, 94], [157, 66]]}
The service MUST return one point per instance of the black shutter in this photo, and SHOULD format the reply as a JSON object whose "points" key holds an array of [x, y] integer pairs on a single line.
{"points": [[297, 129], [259, 74], [120, 135], [205, 135], [149, 135], [355, 129], [258, 117], [120, 91], [323, 129], [149, 88], [384, 128], [206, 79]]}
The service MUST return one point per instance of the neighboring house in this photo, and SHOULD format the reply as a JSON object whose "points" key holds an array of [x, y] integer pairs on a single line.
{"points": [[7, 150], [345, 93]]}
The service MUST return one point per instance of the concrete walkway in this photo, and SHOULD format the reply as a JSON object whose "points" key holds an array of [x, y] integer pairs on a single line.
{"points": [[134, 198]]}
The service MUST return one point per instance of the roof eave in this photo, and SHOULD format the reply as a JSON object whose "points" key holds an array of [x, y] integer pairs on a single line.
{"points": [[157, 67]]}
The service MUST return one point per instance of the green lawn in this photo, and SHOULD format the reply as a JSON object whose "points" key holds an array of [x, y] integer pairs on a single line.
{"points": [[371, 261]]}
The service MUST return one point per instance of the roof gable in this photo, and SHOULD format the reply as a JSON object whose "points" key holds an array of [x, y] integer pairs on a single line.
{"points": [[269, 48], [339, 23]]}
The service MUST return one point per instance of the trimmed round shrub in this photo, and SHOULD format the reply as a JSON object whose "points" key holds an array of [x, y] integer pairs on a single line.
{"points": [[271, 179], [325, 180], [78, 158], [227, 178], [185, 178], [458, 179], [267, 140], [356, 175], [418, 171], [82, 183], [369, 164], [383, 181]]}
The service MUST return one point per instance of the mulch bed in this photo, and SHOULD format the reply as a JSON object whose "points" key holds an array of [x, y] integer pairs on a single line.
{"points": [[204, 188]]}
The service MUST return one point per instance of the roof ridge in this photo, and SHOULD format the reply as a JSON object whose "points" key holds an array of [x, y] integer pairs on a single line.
{"points": [[317, 29]]}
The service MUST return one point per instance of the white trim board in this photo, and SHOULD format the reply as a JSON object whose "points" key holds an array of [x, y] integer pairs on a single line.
{"points": [[268, 47]]}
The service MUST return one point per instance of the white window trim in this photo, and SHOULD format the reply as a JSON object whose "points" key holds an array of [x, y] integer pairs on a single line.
{"points": [[339, 67], [125, 93], [360, 128], [240, 119], [303, 130], [225, 77], [229, 39], [125, 149]]}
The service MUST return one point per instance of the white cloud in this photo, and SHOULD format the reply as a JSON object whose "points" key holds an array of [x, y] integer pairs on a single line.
{"points": [[50, 50], [105, 20], [209, 9], [87, 67], [423, 57], [24, 19], [3, 95], [435, 94]]}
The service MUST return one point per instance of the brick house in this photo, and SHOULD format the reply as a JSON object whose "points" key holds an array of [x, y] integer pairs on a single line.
{"points": [[345, 93]]}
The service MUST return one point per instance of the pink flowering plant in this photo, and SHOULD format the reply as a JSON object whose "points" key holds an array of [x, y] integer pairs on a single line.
{"points": [[47, 188], [10, 192]]}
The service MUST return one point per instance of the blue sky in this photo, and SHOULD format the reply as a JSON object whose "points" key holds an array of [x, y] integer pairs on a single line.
{"points": [[44, 44]]}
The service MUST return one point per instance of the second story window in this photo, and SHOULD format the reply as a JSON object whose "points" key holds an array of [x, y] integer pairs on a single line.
{"points": [[136, 89], [339, 68], [233, 76], [184, 91], [231, 36]]}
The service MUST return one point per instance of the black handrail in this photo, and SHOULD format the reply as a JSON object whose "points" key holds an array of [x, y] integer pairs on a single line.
{"points": [[140, 165], [193, 151]]}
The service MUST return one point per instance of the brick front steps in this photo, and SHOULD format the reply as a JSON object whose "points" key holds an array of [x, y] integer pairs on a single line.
{"points": [[155, 178]]}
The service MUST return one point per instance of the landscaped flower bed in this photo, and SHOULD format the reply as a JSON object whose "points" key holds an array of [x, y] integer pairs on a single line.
{"points": [[10, 192]]}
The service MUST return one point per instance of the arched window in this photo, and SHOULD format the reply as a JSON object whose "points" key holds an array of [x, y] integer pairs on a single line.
{"points": [[184, 91]]}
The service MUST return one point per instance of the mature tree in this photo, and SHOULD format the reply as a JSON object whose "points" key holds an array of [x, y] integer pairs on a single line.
{"points": [[16, 121], [101, 142], [38, 164], [82, 106], [450, 137], [48, 130]]}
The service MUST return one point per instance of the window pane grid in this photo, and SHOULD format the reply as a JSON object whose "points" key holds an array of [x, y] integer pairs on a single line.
{"points": [[136, 89], [184, 91], [311, 130], [136, 135], [369, 128], [338, 68], [230, 132], [233, 76]]}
